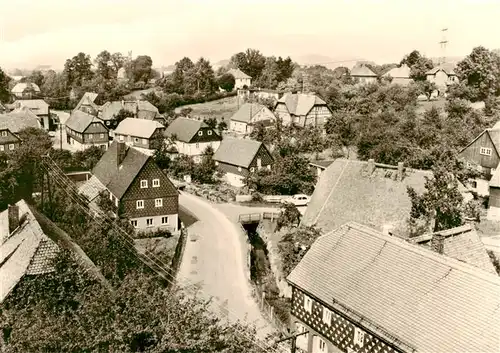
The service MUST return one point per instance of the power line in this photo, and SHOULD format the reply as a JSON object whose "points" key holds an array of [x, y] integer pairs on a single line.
{"points": [[60, 179]]}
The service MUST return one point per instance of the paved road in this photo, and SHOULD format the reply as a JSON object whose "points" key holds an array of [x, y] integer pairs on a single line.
{"points": [[214, 260], [63, 116]]}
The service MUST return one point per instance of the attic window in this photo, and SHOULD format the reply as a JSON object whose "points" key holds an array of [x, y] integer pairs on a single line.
{"points": [[239, 169], [4, 133], [144, 184], [209, 132], [485, 151], [200, 133]]}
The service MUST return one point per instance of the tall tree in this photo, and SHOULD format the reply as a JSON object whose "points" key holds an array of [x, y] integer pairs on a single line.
{"points": [[78, 69], [269, 75], [420, 67], [4, 87], [35, 77], [105, 65], [411, 59], [285, 68], [204, 76], [251, 62], [481, 71], [226, 82], [140, 69], [118, 61]]}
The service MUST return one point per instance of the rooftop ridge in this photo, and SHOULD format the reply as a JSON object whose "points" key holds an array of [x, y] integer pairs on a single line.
{"points": [[454, 264]]}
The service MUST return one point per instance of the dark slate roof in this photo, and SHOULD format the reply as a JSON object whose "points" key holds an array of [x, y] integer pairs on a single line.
{"points": [[238, 152], [118, 178], [461, 243], [79, 121], [427, 301], [184, 128]]}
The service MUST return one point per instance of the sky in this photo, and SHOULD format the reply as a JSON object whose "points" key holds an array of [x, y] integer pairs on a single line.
{"points": [[50, 31]]}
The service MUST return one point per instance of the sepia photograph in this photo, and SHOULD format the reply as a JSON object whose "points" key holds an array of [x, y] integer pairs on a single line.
{"points": [[250, 176]]}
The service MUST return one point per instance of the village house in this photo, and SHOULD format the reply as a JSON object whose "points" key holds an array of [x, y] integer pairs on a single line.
{"points": [[88, 104], [370, 193], [241, 79], [41, 109], [493, 213], [443, 76], [121, 75], [319, 166], [399, 75], [25, 90], [244, 120], [140, 109], [482, 155], [237, 158], [147, 134], [358, 290], [363, 74], [259, 93], [139, 189], [29, 243], [192, 137], [10, 125], [84, 130], [302, 109]]}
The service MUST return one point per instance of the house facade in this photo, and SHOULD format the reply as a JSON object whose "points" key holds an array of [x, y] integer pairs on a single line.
{"points": [[399, 75], [493, 213], [139, 189], [363, 74], [348, 296], [147, 134], [192, 137], [25, 90], [241, 79], [244, 120], [84, 130], [259, 93], [301, 109], [87, 103], [41, 109], [10, 125], [237, 158], [139, 109], [443, 76], [482, 154]]}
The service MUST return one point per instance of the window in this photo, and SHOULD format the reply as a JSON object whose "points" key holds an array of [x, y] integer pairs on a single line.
{"points": [[107, 123], [158, 202], [239, 169], [197, 145], [121, 137], [200, 133], [90, 136], [209, 132], [164, 220], [308, 304], [156, 183], [327, 316], [136, 140], [359, 337], [139, 204], [144, 141], [149, 222], [252, 169], [11, 146], [4, 133], [216, 163], [101, 136], [259, 162], [269, 167], [2, 148], [134, 223], [473, 184], [319, 345], [485, 151], [144, 184]]}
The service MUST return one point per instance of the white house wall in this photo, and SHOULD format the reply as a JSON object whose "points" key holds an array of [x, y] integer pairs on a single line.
{"points": [[195, 149], [171, 224]]}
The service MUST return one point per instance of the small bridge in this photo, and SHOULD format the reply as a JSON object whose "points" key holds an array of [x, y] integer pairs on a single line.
{"points": [[252, 218]]}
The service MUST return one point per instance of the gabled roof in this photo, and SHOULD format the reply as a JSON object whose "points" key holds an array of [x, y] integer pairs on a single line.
{"points": [[247, 111], [88, 99], [23, 113], [138, 127], [117, 178], [37, 106], [238, 152], [300, 103], [493, 133], [79, 121], [447, 68], [399, 72], [184, 128], [238, 74], [362, 71], [110, 109], [31, 248], [321, 163], [21, 87], [18, 120], [426, 301], [461, 243]]}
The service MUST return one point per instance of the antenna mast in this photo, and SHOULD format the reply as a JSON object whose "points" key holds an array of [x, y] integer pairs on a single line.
{"points": [[443, 43]]}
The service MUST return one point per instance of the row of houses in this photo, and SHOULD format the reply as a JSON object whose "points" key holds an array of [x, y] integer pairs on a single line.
{"points": [[366, 286]]}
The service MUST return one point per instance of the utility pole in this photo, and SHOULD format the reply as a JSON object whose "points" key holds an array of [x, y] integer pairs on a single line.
{"points": [[292, 338], [60, 134], [443, 43]]}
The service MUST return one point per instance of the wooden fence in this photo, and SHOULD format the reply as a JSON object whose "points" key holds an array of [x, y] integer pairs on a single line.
{"points": [[269, 311]]}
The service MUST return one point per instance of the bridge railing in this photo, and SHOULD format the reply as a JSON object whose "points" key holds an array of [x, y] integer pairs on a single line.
{"points": [[250, 217]]}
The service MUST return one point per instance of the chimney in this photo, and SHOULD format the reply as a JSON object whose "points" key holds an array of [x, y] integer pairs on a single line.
{"points": [[371, 166], [13, 216], [437, 243], [121, 151], [400, 171]]}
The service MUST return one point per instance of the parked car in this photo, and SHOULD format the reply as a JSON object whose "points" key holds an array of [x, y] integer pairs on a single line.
{"points": [[299, 200]]}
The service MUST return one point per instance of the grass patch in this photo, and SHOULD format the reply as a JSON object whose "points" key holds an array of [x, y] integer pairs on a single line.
{"points": [[422, 106], [220, 108]]}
